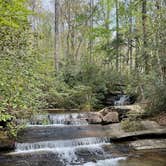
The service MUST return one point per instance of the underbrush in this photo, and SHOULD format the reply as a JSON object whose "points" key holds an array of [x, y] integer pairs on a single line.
{"points": [[129, 125]]}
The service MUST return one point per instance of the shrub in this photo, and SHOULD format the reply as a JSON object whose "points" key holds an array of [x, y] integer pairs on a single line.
{"points": [[131, 125]]}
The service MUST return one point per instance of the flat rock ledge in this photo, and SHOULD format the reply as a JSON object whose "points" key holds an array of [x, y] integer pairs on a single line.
{"points": [[148, 144], [153, 137], [152, 130]]}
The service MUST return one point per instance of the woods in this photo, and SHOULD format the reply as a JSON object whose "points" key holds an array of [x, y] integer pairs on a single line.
{"points": [[74, 53]]}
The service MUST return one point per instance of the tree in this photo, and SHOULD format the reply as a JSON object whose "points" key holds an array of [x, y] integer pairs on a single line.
{"points": [[144, 27], [57, 42], [117, 35]]}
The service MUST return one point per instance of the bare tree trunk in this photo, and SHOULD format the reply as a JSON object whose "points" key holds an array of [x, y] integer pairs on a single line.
{"points": [[91, 27], [57, 52], [117, 35], [144, 19], [69, 30], [158, 40], [107, 24], [130, 38]]}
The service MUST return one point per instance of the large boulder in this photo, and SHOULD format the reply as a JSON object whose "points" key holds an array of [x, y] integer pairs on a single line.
{"points": [[104, 111], [111, 117], [94, 118], [103, 117]]}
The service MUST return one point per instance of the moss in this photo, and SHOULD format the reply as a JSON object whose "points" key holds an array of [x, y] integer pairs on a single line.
{"points": [[131, 125]]}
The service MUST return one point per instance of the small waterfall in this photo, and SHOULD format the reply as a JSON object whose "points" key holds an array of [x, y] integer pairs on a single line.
{"points": [[73, 119], [54, 145], [123, 100], [67, 150], [68, 119]]}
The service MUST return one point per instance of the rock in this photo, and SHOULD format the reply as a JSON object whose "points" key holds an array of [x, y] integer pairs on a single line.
{"points": [[111, 117], [129, 111], [119, 135], [94, 118], [131, 108], [5, 143], [114, 114], [150, 124], [104, 111], [161, 119], [148, 144]]}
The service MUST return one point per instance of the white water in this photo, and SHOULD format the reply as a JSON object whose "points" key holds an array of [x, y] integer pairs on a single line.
{"points": [[123, 99], [73, 119], [69, 151], [65, 149], [107, 162], [75, 143]]}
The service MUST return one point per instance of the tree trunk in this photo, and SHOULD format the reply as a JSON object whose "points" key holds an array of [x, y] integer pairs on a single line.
{"points": [[130, 38], [117, 35], [91, 28], [57, 52], [144, 30]]}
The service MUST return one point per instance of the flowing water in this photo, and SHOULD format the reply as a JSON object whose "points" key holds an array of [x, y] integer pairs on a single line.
{"points": [[123, 100], [67, 140]]}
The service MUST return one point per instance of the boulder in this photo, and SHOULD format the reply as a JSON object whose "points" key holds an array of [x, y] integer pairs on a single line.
{"points": [[111, 117], [104, 111], [94, 118]]}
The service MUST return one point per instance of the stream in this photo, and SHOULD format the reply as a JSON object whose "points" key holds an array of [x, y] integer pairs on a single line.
{"points": [[67, 140]]}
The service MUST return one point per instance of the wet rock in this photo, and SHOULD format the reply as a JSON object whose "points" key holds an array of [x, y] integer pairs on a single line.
{"points": [[31, 159], [111, 117], [94, 118]]}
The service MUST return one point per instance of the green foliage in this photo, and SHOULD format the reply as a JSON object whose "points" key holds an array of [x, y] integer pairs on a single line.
{"points": [[88, 57], [13, 13], [150, 90], [5, 117], [60, 95], [129, 125], [80, 86], [156, 95], [18, 84], [19, 77]]}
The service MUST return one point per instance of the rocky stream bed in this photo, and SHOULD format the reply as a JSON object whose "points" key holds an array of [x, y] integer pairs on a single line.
{"points": [[68, 139]]}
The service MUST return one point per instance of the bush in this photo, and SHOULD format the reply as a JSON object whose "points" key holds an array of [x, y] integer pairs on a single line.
{"points": [[149, 89], [82, 85], [129, 125], [157, 98]]}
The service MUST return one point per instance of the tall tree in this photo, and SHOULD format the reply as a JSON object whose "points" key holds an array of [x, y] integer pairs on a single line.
{"points": [[130, 35], [144, 30], [117, 34], [57, 52]]}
